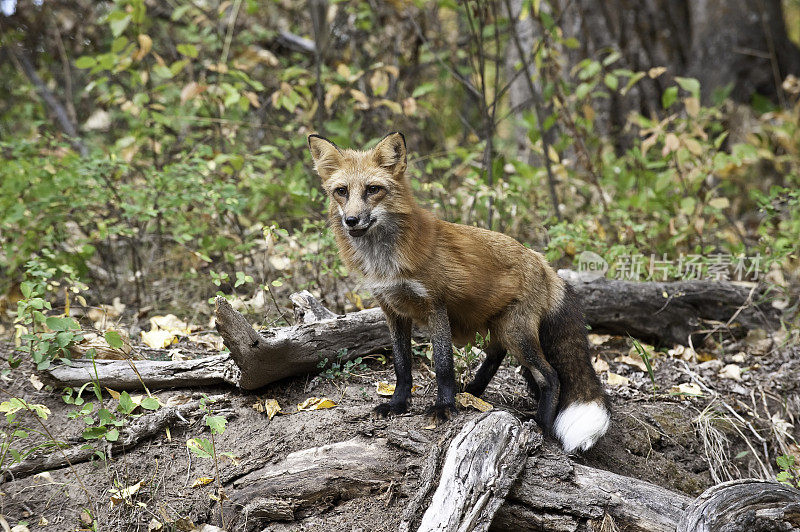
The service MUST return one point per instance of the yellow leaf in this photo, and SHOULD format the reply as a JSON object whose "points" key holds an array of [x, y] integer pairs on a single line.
{"points": [[468, 400], [315, 403], [648, 143], [379, 82], [617, 380], [686, 389], [600, 365], [599, 339], [332, 95], [692, 106], [720, 203], [202, 481], [145, 45], [190, 90], [409, 106], [656, 71], [343, 70], [272, 407], [395, 107], [157, 339], [671, 143], [384, 388], [252, 97], [124, 494], [632, 360], [731, 371], [360, 97]]}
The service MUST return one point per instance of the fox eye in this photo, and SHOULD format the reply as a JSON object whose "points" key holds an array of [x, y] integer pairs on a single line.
{"points": [[341, 191], [374, 189]]}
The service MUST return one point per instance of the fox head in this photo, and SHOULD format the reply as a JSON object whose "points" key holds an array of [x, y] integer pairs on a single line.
{"points": [[368, 190]]}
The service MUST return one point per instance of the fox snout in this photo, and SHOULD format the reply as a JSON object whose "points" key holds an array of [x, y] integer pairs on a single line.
{"points": [[357, 225]]}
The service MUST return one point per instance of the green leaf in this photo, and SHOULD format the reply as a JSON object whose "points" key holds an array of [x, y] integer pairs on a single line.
{"points": [[200, 447], [114, 339], [118, 21], [690, 85], [669, 97], [105, 417], [189, 50], [92, 433], [112, 435], [150, 403], [216, 424], [611, 81], [126, 404], [82, 62]]}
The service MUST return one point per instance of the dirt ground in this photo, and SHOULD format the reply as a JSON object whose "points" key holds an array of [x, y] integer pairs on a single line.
{"points": [[743, 419]]}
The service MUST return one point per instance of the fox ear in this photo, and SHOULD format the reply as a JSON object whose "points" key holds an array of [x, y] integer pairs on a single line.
{"points": [[390, 153], [326, 155]]}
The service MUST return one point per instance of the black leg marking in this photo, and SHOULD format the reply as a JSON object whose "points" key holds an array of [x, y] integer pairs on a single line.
{"points": [[541, 376], [442, 341], [400, 330], [495, 353]]}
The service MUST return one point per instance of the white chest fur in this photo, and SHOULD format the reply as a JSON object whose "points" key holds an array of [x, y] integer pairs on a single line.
{"points": [[398, 288]]}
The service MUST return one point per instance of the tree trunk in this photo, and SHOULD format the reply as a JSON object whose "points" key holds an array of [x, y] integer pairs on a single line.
{"points": [[719, 42]]}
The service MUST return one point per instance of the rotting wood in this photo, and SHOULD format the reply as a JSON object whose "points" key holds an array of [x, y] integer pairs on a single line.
{"points": [[748, 504], [137, 431]]}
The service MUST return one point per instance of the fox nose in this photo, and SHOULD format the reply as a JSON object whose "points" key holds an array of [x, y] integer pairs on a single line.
{"points": [[351, 221]]}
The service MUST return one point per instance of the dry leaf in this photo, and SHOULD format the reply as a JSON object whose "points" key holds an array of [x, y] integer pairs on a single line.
{"points": [[468, 400], [617, 380], [671, 144], [145, 45], [687, 388], [272, 407], [115, 395], [158, 339], [683, 352], [202, 481], [731, 371], [385, 389], [600, 365], [632, 360], [124, 494], [38, 384], [599, 339], [315, 403], [154, 525], [656, 71]]}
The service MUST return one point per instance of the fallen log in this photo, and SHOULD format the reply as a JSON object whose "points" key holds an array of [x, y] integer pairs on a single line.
{"points": [[153, 374], [748, 504], [472, 470], [136, 432]]}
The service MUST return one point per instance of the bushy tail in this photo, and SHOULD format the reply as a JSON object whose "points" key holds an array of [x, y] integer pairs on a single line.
{"points": [[584, 413]]}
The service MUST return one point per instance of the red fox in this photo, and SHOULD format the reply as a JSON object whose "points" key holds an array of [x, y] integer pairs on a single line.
{"points": [[458, 281]]}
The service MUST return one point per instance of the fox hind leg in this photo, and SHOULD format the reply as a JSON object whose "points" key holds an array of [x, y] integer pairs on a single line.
{"points": [[495, 353]]}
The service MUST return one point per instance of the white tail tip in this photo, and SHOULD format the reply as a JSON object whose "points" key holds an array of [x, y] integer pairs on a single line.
{"points": [[580, 425]]}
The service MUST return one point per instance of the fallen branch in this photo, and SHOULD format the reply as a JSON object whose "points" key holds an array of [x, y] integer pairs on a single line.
{"points": [[137, 431], [120, 374]]}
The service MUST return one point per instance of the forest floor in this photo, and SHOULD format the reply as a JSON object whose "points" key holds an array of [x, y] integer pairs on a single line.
{"points": [[713, 415]]}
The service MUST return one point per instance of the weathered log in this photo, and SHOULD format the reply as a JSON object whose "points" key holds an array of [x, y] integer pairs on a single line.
{"points": [[121, 375], [137, 431], [283, 352], [748, 504], [314, 477], [481, 464], [552, 492], [668, 313]]}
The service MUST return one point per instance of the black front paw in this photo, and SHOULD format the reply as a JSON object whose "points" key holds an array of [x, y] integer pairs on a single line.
{"points": [[391, 408], [474, 388], [440, 413]]}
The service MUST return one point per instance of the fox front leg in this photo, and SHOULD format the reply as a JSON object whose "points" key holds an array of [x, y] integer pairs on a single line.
{"points": [[400, 331], [442, 341]]}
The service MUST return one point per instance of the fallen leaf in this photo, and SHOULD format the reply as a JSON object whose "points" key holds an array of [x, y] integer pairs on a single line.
{"points": [[687, 388], [617, 380], [258, 406], [387, 390], [600, 365], [315, 403], [124, 494], [683, 352], [634, 360], [158, 339], [202, 481], [468, 400], [731, 371], [599, 339], [154, 525], [272, 407], [38, 384]]}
